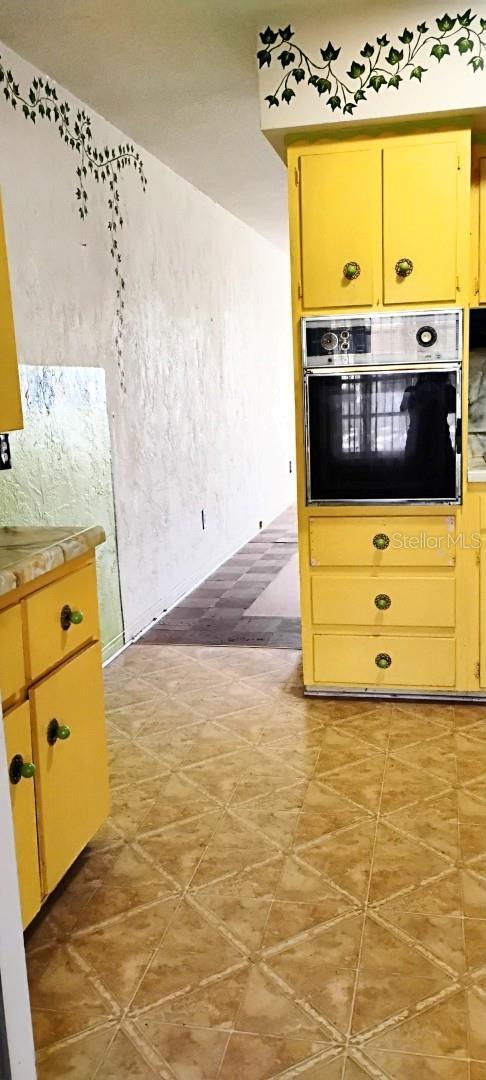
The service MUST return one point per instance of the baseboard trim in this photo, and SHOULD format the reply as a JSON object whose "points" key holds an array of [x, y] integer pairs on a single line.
{"points": [[444, 696]]}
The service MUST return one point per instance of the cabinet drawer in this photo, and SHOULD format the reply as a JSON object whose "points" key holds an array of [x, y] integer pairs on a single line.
{"points": [[346, 659], [22, 796], [383, 601], [348, 541], [12, 674], [72, 769], [48, 642]]}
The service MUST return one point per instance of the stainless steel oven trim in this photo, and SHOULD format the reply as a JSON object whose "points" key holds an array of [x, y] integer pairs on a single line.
{"points": [[381, 315], [406, 369]]}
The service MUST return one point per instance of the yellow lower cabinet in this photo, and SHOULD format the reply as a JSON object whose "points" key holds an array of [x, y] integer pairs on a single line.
{"points": [[22, 795], [385, 660], [72, 770], [383, 601]]}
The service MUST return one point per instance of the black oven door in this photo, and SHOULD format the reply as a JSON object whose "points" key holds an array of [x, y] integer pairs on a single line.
{"points": [[385, 436]]}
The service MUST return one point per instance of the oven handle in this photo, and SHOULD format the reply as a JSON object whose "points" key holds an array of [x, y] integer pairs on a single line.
{"points": [[459, 435]]}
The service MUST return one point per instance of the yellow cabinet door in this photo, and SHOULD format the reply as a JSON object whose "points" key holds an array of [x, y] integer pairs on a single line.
{"points": [[70, 751], [482, 231], [22, 796], [340, 222], [482, 609], [420, 209], [10, 401]]}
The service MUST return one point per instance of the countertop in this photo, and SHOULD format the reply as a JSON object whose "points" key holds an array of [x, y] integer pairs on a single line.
{"points": [[476, 474], [28, 552]]}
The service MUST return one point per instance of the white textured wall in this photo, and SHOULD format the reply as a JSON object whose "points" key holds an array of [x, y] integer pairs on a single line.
{"points": [[206, 421]]}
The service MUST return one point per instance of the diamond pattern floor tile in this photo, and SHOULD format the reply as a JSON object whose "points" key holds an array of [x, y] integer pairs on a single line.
{"points": [[284, 887]]}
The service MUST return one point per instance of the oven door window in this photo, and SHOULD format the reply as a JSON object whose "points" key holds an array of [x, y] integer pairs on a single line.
{"points": [[387, 436]]}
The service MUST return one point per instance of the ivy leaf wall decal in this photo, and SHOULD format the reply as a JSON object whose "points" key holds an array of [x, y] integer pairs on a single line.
{"points": [[466, 32], [104, 165]]}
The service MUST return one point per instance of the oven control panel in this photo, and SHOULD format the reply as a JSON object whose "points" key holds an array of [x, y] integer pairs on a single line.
{"points": [[337, 339], [397, 337]]}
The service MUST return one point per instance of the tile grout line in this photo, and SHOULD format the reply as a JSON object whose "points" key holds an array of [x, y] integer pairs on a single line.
{"points": [[462, 894], [366, 902]]}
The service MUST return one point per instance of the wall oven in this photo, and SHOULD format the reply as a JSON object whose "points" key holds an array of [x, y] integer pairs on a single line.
{"points": [[382, 407]]}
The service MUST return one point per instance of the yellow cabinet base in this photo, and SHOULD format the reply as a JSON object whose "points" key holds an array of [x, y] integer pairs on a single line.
{"points": [[55, 735]]}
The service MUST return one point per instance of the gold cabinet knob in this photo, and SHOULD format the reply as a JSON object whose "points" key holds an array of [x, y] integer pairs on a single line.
{"points": [[351, 270], [381, 541], [382, 601], [403, 268]]}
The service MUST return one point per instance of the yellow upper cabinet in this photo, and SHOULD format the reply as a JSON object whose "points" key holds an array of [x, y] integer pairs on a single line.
{"points": [[479, 225], [10, 401], [481, 277], [420, 209], [380, 221], [340, 213]]}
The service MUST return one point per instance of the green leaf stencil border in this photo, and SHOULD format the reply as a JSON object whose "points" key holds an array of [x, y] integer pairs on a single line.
{"points": [[104, 164], [382, 63]]}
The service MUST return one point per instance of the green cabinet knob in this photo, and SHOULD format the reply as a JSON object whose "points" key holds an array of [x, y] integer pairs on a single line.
{"points": [[381, 541], [20, 769], [351, 270], [403, 268], [382, 602], [57, 731], [70, 617], [383, 660]]}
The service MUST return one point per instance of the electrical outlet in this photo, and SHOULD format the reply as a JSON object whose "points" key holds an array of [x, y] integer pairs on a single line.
{"points": [[290, 466], [5, 456], [203, 519]]}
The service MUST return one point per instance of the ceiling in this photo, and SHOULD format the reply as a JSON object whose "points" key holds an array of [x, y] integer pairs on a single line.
{"points": [[179, 77]]}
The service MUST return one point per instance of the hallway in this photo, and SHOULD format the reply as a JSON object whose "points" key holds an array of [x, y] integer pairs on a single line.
{"points": [[220, 611]]}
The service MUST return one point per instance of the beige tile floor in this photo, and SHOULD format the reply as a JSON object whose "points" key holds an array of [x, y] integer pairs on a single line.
{"points": [[284, 888]]}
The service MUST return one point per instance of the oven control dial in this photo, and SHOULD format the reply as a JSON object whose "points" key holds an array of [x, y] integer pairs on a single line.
{"points": [[426, 336], [329, 341]]}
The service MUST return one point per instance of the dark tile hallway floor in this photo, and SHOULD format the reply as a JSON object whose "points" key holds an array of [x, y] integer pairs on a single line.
{"points": [[215, 612]]}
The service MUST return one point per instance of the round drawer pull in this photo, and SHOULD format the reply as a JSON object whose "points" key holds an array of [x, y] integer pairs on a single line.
{"points": [[57, 731], [383, 660], [20, 769], [381, 541], [70, 617], [382, 602], [403, 268], [351, 270]]}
